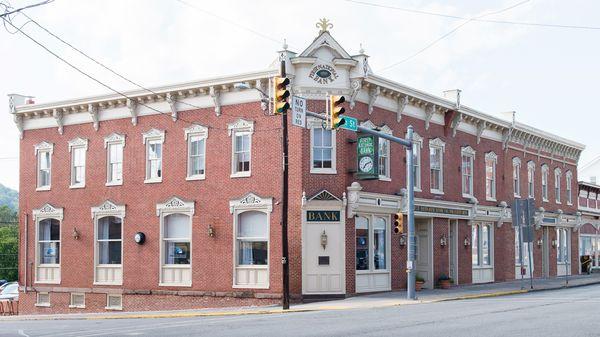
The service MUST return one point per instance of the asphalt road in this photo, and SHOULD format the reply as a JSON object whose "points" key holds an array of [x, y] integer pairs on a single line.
{"points": [[568, 312]]}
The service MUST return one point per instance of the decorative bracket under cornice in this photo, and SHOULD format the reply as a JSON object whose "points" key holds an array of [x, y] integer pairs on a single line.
{"points": [[373, 94], [19, 123], [133, 110], [355, 86], [93, 110], [173, 105], [480, 128], [402, 103], [429, 110], [216, 96], [58, 117], [264, 99], [456, 122]]}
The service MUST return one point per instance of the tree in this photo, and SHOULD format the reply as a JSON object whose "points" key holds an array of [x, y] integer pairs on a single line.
{"points": [[9, 244]]}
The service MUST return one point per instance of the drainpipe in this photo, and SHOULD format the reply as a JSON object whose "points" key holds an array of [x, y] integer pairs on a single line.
{"points": [[26, 249]]}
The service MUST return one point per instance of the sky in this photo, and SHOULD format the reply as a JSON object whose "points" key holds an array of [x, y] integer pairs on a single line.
{"points": [[549, 76]]}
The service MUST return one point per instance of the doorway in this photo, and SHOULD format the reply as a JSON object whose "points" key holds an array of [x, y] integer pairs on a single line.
{"points": [[453, 250], [424, 244]]}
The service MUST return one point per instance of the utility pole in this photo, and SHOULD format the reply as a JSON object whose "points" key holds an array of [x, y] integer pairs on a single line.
{"points": [[410, 247], [284, 205]]}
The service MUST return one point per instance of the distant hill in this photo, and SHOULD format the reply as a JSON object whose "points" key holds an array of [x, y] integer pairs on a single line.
{"points": [[9, 197]]}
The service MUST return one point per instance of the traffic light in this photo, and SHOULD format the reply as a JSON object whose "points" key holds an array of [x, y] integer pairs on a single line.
{"points": [[335, 111], [280, 95], [398, 223]]}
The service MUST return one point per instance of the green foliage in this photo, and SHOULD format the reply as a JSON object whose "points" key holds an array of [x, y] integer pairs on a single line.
{"points": [[9, 197], [9, 244]]}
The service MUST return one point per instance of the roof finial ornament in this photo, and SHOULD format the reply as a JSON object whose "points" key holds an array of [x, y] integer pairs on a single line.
{"points": [[362, 50], [324, 25], [285, 45]]}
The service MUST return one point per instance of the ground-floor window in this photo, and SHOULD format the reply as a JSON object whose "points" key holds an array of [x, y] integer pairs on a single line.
{"points": [[176, 239], [371, 230], [562, 246], [481, 245], [252, 239]]}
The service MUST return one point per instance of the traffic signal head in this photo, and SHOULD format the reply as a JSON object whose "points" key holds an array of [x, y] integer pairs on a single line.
{"points": [[336, 110], [280, 95], [398, 223]]}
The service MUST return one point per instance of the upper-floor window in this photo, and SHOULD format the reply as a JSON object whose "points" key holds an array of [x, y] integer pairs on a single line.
{"points": [[78, 149], [322, 150], [517, 177], [569, 183], [241, 139], [196, 142], [384, 155], [154, 140], [490, 176], [114, 144], [44, 151], [531, 179], [436, 165], [545, 182], [557, 176], [418, 145], [467, 155]]}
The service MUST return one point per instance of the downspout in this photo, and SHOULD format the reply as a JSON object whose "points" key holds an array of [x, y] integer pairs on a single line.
{"points": [[26, 249]]}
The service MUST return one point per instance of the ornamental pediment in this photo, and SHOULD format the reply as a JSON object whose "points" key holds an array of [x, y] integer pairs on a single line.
{"points": [[175, 205], [48, 211], [44, 146], [251, 201], [324, 195], [241, 125], [196, 130], [114, 138], [108, 208], [154, 134], [78, 142]]}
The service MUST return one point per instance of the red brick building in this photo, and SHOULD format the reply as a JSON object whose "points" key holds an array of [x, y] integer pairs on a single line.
{"points": [[170, 199]]}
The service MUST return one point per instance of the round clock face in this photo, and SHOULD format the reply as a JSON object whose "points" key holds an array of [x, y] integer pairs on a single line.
{"points": [[365, 164]]}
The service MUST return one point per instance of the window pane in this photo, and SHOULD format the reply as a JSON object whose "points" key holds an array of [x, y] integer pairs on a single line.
{"points": [[327, 158], [379, 253], [252, 224], [252, 253], [109, 252], [49, 253], [177, 252], [177, 226], [109, 228], [485, 244], [44, 160], [318, 137], [475, 245], [362, 243], [49, 230], [327, 135]]}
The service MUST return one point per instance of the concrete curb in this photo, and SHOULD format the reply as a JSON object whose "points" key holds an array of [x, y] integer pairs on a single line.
{"points": [[324, 307]]}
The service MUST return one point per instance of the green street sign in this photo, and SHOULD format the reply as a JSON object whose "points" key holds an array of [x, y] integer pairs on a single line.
{"points": [[367, 155], [350, 123]]}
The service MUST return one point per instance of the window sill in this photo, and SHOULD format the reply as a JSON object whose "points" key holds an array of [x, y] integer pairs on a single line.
{"points": [[76, 186], [240, 175], [76, 306], [175, 284], [114, 308], [114, 183], [569, 204], [545, 200], [516, 195], [43, 188], [192, 178], [468, 196], [120, 283], [323, 171], [417, 189], [153, 181], [47, 282], [558, 203], [382, 178], [438, 192], [250, 286], [491, 199], [42, 305]]}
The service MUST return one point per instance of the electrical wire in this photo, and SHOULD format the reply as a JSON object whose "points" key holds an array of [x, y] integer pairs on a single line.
{"points": [[536, 24], [436, 41], [18, 10]]}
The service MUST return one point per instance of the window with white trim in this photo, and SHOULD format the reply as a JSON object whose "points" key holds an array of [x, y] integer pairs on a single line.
{"points": [[49, 241], [384, 155], [241, 138], [531, 179], [114, 302], [114, 144], [418, 145], [562, 245], [77, 301], [557, 178], [436, 165], [42, 299], [322, 150], [569, 183], [176, 241], [196, 136], [154, 140], [467, 158], [109, 240], [108, 249], [481, 247], [48, 222], [545, 171], [78, 149], [517, 177], [490, 176], [43, 152], [251, 241]]}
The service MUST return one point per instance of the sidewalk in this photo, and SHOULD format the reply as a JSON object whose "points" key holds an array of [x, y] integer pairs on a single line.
{"points": [[379, 300]]}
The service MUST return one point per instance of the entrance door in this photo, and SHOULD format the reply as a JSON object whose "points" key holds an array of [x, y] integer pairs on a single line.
{"points": [[424, 265], [452, 246], [563, 262], [323, 258], [545, 252], [373, 253], [522, 267]]}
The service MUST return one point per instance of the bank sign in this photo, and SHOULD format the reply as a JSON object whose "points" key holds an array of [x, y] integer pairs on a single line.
{"points": [[367, 155], [322, 216]]}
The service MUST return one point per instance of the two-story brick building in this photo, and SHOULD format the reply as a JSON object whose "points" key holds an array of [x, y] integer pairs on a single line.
{"points": [[171, 198]]}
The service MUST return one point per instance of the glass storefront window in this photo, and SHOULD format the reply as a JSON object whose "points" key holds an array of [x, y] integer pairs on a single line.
{"points": [[475, 245], [379, 228], [362, 243]]}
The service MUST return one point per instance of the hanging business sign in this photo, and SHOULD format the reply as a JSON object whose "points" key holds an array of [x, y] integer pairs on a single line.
{"points": [[367, 155]]}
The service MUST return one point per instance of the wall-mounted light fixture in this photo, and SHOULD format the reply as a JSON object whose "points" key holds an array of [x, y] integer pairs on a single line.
{"points": [[211, 231], [402, 240], [554, 243], [539, 242], [467, 241], [324, 239], [76, 234], [139, 238], [443, 240]]}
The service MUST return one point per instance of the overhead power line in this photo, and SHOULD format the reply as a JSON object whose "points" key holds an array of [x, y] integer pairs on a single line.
{"points": [[507, 22], [7, 13], [431, 44]]}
